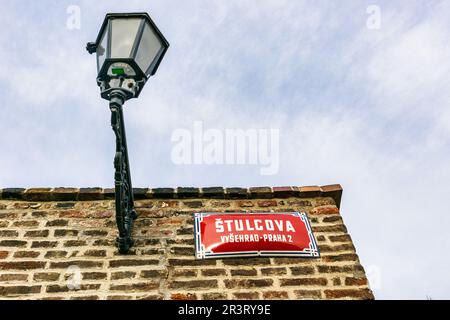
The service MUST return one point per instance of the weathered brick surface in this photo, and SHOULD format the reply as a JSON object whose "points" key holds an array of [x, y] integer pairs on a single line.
{"points": [[49, 237]]}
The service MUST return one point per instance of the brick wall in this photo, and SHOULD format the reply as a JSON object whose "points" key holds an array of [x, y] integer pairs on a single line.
{"points": [[48, 235]]}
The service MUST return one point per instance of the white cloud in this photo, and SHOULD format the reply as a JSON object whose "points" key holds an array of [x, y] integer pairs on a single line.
{"points": [[364, 108]]}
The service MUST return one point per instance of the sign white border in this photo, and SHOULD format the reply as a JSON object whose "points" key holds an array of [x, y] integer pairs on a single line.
{"points": [[200, 252]]}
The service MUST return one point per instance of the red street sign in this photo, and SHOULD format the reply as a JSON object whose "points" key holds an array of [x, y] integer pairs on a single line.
{"points": [[219, 235]]}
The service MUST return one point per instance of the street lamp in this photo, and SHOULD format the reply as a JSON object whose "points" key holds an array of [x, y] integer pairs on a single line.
{"points": [[129, 49]]}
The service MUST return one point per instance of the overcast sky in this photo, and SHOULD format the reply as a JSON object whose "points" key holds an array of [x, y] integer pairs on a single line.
{"points": [[355, 103]]}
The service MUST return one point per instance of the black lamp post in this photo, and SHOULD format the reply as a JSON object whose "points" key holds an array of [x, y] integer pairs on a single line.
{"points": [[129, 50]]}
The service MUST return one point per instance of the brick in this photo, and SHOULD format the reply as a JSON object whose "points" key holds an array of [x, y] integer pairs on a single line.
{"points": [[26, 254], [6, 291], [65, 194], [132, 262], [21, 205], [340, 269], [37, 234], [46, 276], [8, 234], [26, 224], [336, 249], [267, 203], [95, 233], [109, 193], [8, 215], [193, 204], [123, 275], [245, 204], [65, 205], [38, 194], [39, 214], [307, 294], [349, 293], [304, 270], [77, 263], [22, 265], [85, 298], [140, 193], [273, 271], [183, 192], [74, 243], [236, 193], [163, 193], [183, 296], [243, 272], [332, 219], [150, 297], [102, 214], [261, 192], [220, 204], [12, 243], [151, 252], [336, 281], [87, 194], [4, 254], [95, 253], [107, 242], [333, 228], [246, 262], [300, 203], [274, 295], [341, 238], [7, 277], [213, 192], [73, 214], [248, 283], [151, 274], [57, 223], [13, 193], [280, 261], [303, 282], [352, 281], [342, 257], [44, 244], [334, 191], [184, 273], [143, 204], [321, 238], [192, 284], [246, 295], [185, 231], [171, 221], [66, 233], [94, 275], [214, 272], [189, 241], [310, 191], [145, 286], [118, 297], [214, 296], [285, 192], [4, 224], [55, 254], [324, 210], [65, 288]]}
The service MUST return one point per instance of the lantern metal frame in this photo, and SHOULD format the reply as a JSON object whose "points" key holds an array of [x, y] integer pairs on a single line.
{"points": [[118, 88], [141, 75]]}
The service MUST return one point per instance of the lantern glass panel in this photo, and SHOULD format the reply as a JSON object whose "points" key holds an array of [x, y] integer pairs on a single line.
{"points": [[124, 32], [102, 50], [148, 48]]}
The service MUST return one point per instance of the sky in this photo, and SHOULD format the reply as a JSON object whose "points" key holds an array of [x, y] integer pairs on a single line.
{"points": [[358, 92]]}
